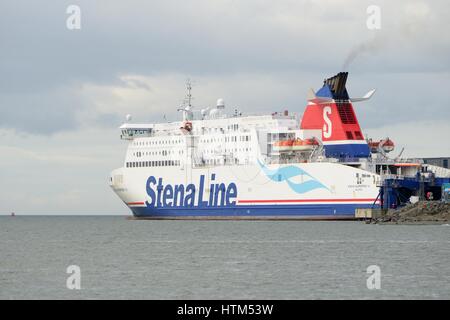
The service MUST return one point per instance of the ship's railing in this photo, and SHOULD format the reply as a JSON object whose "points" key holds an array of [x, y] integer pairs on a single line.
{"points": [[378, 160], [390, 176]]}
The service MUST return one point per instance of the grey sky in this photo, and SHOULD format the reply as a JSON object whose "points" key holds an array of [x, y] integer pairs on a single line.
{"points": [[64, 92]]}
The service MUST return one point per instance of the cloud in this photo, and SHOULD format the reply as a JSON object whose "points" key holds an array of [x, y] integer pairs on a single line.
{"points": [[45, 68], [44, 112], [64, 173]]}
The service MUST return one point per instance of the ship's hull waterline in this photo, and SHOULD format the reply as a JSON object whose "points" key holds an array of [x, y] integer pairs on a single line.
{"points": [[307, 191]]}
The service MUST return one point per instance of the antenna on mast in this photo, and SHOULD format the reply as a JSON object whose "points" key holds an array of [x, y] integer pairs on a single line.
{"points": [[189, 88], [187, 110]]}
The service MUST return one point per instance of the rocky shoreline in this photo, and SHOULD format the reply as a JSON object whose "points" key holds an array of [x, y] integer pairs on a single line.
{"points": [[422, 212]]}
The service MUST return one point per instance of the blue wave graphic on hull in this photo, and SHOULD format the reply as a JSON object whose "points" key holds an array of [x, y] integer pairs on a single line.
{"points": [[286, 173]]}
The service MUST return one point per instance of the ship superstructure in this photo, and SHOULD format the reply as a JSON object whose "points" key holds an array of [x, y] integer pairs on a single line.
{"points": [[276, 166]]}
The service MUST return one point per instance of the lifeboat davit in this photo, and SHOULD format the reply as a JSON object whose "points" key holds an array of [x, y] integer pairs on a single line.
{"points": [[387, 145], [304, 145], [283, 145]]}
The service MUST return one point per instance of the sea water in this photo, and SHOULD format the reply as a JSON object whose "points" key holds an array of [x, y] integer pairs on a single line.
{"points": [[118, 258]]}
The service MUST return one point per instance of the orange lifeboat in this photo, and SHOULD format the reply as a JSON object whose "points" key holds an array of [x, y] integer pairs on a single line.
{"points": [[387, 145], [283, 145], [304, 145]]}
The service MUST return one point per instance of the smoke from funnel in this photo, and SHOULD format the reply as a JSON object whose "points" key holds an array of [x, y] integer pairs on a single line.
{"points": [[367, 47]]}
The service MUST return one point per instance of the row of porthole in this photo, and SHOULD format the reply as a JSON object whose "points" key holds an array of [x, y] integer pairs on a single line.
{"points": [[208, 151], [227, 139], [155, 163], [148, 143], [155, 153]]}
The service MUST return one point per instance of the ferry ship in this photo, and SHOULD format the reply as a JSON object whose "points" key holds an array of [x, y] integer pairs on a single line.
{"points": [[214, 165]]}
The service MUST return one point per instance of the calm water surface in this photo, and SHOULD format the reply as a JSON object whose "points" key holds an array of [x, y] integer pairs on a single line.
{"points": [[123, 259]]}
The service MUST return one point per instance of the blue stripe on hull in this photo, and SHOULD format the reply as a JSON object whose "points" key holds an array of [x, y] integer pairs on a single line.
{"points": [[347, 150], [324, 211]]}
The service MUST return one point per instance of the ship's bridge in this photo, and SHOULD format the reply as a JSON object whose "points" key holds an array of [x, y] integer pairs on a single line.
{"points": [[130, 131]]}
